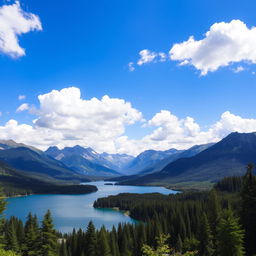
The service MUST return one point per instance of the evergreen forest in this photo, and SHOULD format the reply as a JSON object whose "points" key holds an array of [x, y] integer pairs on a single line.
{"points": [[219, 222]]}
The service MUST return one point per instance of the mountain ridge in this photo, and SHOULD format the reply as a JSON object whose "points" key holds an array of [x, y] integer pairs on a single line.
{"points": [[225, 158]]}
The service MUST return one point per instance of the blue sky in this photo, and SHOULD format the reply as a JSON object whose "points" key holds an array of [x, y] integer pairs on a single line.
{"points": [[89, 44]]}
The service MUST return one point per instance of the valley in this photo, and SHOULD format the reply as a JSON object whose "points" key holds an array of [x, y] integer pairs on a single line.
{"points": [[120, 195], [75, 211]]}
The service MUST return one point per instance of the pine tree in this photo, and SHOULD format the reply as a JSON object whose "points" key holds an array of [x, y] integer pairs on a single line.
{"points": [[125, 248], [63, 249], [179, 244], [114, 243], [205, 238], [11, 239], [214, 211], [73, 243], [32, 236], [229, 236], [2, 208], [48, 242], [248, 210], [190, 244], [141, 237], [90, 238], [79, 242], [2, 202], [20, 234], [161, 249], [7, 253], [103, 243]]}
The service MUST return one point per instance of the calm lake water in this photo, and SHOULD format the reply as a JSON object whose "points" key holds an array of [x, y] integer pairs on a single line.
{"points": [[75, 211]]}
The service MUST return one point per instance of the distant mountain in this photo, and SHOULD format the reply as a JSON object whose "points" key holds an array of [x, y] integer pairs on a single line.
{"points": [[83, 160], [119, 161], [225, 158], [7, 144], [180, 154], [36, 163], [148, 159]]}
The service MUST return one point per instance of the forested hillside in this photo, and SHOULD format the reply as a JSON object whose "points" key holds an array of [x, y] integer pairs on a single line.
{"points": [[16, 182], [220, 222]]}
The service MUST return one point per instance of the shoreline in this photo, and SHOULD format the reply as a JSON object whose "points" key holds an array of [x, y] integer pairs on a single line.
{"points": [[117, 209]]}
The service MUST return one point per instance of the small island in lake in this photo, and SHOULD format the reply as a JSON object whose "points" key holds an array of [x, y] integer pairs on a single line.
{"points": [[109, 184]]}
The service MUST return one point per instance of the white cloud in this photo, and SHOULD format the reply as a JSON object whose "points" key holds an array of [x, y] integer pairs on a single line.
{"points": [[131, 66], [13, 23], [147, 56], [94, 122], [224, 44], [22, 97], [64, 118], [162, 56], [22, 107], [238, 69], [172, 132]]}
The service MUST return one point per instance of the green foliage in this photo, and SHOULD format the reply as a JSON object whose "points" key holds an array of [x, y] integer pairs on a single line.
{"points": [[63, 249], [214, 211], [230, 184], [190, 244], [48, 243], [205, 238], [199, 224], [103, 243], [8, 253], [2, 208], [229, 236], [248, 210], [2, 202], [161, 249], [11, 240], [32, 236], [91, 241]]}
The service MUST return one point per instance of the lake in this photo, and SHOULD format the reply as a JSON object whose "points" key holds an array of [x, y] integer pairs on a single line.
{"points": [[75, 211]]}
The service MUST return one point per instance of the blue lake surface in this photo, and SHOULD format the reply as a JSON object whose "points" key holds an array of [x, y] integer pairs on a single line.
{"points": [[75, 211]]}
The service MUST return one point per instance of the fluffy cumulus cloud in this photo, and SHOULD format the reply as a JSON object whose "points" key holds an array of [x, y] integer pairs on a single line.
{"points": [[146, 56], [64, 118], [13, 23], [225, 43], [173, 132]]}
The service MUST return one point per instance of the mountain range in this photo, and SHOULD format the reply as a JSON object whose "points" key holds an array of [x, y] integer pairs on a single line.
{"points": [[36, 163], [226, 158], [149, 158], [200, 163], [160, 163], [88, 162]]}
